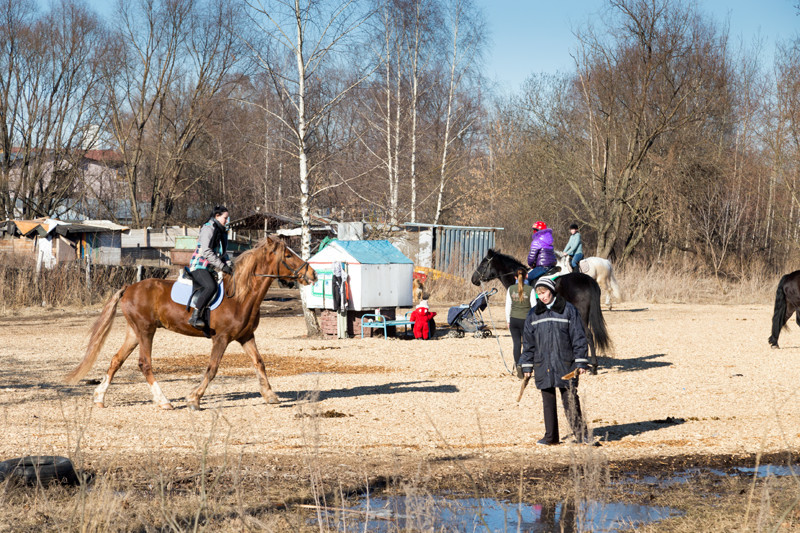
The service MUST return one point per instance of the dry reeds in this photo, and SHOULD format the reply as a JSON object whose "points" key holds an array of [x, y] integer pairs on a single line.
{"points": [[64, 285], [671, 282]]}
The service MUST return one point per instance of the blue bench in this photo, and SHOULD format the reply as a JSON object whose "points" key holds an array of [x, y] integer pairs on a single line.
{"points": [[373, 320]]}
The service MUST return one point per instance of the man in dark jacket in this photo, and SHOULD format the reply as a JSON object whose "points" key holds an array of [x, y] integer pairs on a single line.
{"points": [[554, 344], [542, 256]]}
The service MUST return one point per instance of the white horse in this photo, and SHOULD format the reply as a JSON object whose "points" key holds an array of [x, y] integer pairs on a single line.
{"points": [[598, 268]]}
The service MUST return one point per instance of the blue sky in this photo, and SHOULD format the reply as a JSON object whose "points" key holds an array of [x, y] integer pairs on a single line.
{"points": [[529, 36]]}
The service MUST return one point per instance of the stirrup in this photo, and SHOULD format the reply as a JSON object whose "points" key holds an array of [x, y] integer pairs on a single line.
{"points": [[196, 320]]}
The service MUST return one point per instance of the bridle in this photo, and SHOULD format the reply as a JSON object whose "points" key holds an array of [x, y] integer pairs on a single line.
{"points": [[481, 274], [295, 273]]}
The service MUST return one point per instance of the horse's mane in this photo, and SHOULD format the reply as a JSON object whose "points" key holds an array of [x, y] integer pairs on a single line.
{"points": [[507, 258], [246, 264]]}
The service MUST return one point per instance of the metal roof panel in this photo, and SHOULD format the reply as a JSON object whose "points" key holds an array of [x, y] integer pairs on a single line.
{"points": [[373, 252]]}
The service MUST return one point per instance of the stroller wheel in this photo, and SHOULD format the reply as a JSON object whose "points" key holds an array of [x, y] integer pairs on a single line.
{"points": [[478, 334], [455, 334]]}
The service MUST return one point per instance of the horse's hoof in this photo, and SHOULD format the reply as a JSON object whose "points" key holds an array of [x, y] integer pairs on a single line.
{"points": [[593, 370], [99, 405], [193, 403], [774, 346], [273, 399], [166, 406]]}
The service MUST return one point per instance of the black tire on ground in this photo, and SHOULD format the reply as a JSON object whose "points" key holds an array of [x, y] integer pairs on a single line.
{"points": [[431, 328], [39, 469]]}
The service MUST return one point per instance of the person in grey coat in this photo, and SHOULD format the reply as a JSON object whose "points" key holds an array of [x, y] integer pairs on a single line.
{"points": [[554, 344], [210, 255]]}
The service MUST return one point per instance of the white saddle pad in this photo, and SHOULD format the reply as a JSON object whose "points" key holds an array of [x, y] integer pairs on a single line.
{"points": [[182, 291]]}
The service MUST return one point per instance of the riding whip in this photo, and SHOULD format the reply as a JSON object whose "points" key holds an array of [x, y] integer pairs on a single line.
{"points": [[522, 387], [571, 375]]}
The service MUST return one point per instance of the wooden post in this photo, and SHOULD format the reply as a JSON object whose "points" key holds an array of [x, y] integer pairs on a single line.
{"points": [[341, 323], [88, 255]]}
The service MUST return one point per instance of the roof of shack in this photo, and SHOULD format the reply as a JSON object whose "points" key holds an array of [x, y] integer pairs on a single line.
{"points": [[364, 252]]}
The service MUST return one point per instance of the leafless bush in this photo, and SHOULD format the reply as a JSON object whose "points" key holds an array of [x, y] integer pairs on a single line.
{"points": [[64, 285]]}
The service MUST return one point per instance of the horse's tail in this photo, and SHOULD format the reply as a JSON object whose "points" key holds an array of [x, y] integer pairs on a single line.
{"points": [[596, 321], [779, 315], [100, 330]]}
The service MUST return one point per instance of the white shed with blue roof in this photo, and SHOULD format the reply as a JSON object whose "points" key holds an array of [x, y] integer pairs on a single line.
{"points": [[379, 275]]}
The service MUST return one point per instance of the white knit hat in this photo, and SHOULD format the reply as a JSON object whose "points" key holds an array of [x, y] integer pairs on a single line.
{"points": [[423, 303]]}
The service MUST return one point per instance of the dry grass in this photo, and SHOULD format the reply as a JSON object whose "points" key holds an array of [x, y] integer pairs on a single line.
{"points": [[663, 282], [309, 492], [673, 283], [64, 285], [264, 493]]}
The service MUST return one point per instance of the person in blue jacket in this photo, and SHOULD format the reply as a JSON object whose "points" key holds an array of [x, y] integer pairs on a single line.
{"points": [[554, 344], [574, 247], [542, 256]]}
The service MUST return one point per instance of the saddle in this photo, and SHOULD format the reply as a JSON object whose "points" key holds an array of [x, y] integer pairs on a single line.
{"points": [[184, 292]]}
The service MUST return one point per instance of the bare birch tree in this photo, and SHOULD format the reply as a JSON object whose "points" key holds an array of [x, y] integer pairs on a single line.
{"points": [[466, 36], [314, 35]]}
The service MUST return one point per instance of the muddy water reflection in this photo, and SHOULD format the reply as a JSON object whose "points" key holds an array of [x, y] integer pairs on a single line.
{"points": [[485, 514], [687, 476]]}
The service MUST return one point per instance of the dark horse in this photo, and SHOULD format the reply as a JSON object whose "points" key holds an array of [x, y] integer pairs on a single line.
{"points": [[787, 301], [147, 306], [579, 289]]}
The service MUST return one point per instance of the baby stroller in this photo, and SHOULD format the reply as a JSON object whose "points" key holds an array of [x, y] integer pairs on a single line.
{"points": [[467, 318]]}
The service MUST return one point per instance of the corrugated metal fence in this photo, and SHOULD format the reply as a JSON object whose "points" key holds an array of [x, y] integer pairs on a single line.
{"points": [[458, 249]]}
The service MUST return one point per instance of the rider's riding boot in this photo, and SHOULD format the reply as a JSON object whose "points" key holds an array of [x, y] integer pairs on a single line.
{"points": [[196, 321]]}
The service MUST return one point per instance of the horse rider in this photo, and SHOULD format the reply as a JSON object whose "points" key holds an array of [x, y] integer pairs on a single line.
{"points": [[210, 255], [574, 247], [542, 256]]}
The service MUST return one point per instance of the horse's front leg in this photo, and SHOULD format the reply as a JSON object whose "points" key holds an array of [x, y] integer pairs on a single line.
{"points": [[218, 347], [249, 346]]}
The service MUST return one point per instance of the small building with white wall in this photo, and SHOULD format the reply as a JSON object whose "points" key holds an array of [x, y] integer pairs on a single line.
{"points": [[379, 275]]}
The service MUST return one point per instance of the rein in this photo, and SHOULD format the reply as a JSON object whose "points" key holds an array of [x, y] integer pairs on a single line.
{"points": [[489, 308], [481, 274], [294, 273], [233, 288]]}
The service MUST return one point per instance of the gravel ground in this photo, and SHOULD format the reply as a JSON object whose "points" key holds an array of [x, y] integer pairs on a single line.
{"points": [[679, 380]]}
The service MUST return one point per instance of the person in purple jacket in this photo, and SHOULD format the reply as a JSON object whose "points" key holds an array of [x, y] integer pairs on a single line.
{"points": [[542, 257]]}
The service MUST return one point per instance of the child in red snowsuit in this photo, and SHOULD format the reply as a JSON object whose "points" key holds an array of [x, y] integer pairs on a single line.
{"points": [[421, 317]]}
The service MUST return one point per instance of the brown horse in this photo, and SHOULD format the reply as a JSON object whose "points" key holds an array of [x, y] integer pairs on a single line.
{"points": [[147, 306]]}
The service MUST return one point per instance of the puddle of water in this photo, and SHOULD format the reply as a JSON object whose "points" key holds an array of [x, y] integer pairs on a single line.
{"points": [[686, 476], [771, 470], [486, 514]]}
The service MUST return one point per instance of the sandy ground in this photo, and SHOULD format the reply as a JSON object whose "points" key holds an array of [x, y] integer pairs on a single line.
{"points": [[680, 379]]}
